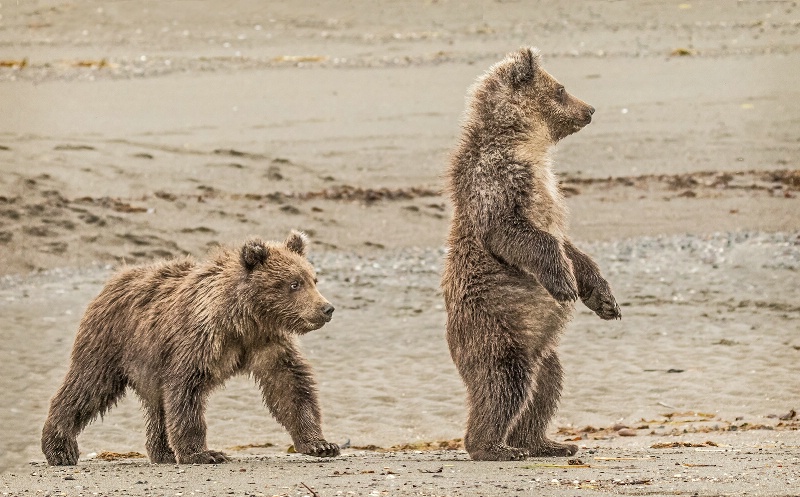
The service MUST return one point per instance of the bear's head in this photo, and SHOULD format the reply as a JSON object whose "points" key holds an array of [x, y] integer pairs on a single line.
{"points": [[282, 285], [518, 95]]}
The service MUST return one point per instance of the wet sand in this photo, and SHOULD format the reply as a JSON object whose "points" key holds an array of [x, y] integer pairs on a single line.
{"points": [[603, 469], [135, 131]]}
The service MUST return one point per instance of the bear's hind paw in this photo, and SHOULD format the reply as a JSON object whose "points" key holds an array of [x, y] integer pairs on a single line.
{"points": [[320, 448], [500, 452], [550, 448], [204, 457]]}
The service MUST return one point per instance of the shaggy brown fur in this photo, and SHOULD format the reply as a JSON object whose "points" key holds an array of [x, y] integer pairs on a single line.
{"points": [[511, 274], [173, 331]]}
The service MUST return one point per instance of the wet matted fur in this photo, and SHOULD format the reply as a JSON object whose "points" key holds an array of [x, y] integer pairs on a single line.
{"points": [[511, 273], [175, 330]]}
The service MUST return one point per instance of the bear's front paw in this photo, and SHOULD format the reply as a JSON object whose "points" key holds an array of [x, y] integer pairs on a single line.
{"points": [[204, 457], [560, 284], [60, 450], [65, 455], [318, 448], [602, 302]]}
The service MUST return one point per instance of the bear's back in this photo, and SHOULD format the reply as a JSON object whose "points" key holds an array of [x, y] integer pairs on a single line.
{"points": [[132, 294]]}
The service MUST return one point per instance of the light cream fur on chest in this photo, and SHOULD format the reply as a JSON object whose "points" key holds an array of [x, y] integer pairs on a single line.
{"points": [[546, 210]]}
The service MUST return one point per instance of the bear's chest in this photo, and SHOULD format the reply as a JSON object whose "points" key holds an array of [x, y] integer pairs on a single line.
{"points": [[546, 207], [230, 360]]}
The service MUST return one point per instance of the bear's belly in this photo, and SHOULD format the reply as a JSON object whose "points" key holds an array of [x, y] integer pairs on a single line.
{"points": [[482, 292], [471, 272]]}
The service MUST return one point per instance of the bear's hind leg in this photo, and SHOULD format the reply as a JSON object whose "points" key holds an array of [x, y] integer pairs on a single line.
{"points": [[496, 393], [184, 408], [83, 395], [530, 431], [157, 443]]}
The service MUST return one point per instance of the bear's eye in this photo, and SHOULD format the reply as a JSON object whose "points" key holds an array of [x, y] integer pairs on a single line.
{"points": [[294, 286], [560, 93]]}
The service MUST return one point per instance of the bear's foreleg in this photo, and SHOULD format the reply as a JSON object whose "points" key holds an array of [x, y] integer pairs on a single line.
{"points": [[290, 393], [522, 245], [85, 393], [593, 289], [530, 430], [184, 413]]}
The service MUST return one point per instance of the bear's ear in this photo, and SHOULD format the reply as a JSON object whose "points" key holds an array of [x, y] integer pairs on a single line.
{"points": [[254, 252], [297, 242], [524, 65]]}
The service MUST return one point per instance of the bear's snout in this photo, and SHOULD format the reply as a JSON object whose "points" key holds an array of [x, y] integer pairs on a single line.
{"points": [[327, 310], [587, 114], [317, 313]]}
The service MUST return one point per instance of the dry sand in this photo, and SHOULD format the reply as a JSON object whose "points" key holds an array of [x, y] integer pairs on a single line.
{"points": [[138, 130]]}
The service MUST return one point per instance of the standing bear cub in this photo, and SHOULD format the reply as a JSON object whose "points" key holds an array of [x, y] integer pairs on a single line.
{"points": [[175, 330], [511, 273]]}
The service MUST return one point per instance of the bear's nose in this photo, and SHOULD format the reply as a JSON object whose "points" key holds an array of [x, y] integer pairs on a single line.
{"points": [[591, 110], [327, 309]]}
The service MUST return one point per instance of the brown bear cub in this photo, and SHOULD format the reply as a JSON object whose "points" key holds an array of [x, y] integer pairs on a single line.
{"points": [[173, 331], [511, 273]]}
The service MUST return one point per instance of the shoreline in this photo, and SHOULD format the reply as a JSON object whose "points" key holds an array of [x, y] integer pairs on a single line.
{"points": [[725, 467], [141, 130]]}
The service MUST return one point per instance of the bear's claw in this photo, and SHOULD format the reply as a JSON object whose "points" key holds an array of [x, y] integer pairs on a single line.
{"points": [[319, 448], [59, 449], [549, 448], [204, 457], [65, 457], [500, 452], [603, 303]]}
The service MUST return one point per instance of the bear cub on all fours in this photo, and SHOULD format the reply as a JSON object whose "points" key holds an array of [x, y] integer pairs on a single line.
{"points": [[511, 272], [175, 330]]}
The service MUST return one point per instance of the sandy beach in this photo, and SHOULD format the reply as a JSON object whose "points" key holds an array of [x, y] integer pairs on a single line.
{"points": [[134, 131]]}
